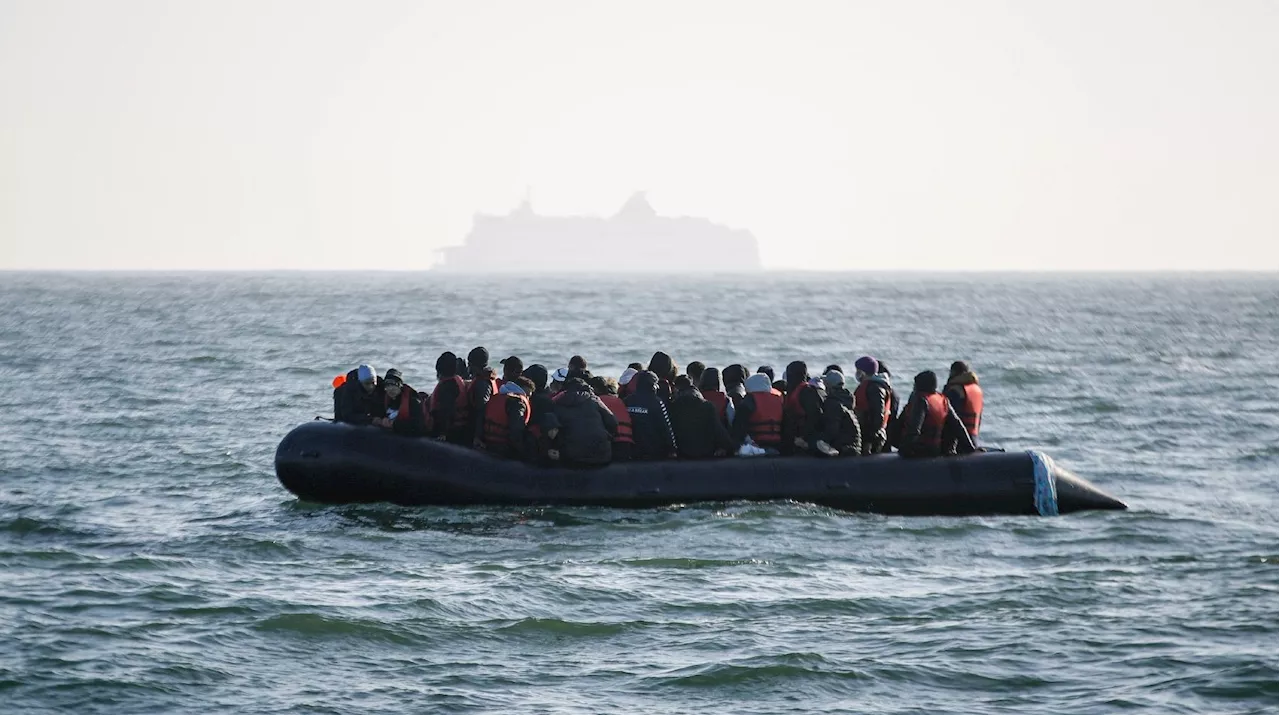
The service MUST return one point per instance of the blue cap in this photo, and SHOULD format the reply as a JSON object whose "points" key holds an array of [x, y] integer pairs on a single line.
{"points": [[366, 372]]}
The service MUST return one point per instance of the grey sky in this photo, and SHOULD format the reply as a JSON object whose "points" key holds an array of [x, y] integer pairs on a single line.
{"points": [[939, 135]]}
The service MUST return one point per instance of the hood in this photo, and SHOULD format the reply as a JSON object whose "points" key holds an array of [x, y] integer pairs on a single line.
{"points": [[759, 382], [710, 380], [538, 374], [880, 378], [969, 377], [510, 388], [734, 375], [662, 365], [447, 365], [797, 372], [646, 382]]}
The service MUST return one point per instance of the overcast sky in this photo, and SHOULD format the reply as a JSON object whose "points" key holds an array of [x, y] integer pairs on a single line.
{"points": [[846, 135]]}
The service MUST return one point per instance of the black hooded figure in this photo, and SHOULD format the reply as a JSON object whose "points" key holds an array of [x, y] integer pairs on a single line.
{"points": [[587, 427], [663, 368], [713, 392], [650, 421], [802, 415], [542, 420], [914, 440], [450, 419], [700, 432], [484, 384], [735, 378]]}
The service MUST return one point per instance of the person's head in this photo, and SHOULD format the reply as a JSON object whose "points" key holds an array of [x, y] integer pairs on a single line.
{"points": [[780, 386], [926, 382], [576, 384], [579, 373], [758, 382], [683, 383], [833, 379], [797, 372], [367, 377], [695, 370], [477, 360], [710, 380], [958, 368], [393, 383], [461, 369], [734, 375], [766, 370], [558, 379], [865, 367], [525, 384], [537, 374], [663, 366], [628, 375], [833, 368], [602, 385], [646, 382], [512, 367], [446, 365], [636, 366], [579, 362]]}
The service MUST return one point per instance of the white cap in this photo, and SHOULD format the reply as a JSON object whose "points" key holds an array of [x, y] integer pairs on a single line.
{"points": [[627, 375], [560, 375]]}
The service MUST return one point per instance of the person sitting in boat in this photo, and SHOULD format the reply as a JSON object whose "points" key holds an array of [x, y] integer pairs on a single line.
{"points": [[713, 392], [694, 370], [543, 424], [480, 389], [587, 427], [965, 396], [892, 430], [624, 440], [778, 386], [449, 409], [759, 415], [579, 363], [930, 425], [872, 404], [699, 431], [512, 367], [356, 399], [557, 381], [506, 421], [650, 421], [840, 430], [735, 377], [802, 413], [625, 388], [664, 368], [402, 410]]}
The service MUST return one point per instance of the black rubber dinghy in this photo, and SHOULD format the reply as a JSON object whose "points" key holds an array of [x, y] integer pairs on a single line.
{"points": [[340, 464]]}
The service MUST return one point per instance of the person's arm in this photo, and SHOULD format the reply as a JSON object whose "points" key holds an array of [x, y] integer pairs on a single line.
{"points": [[724, 445], [606, 415], [348, 407], [832, 412], [410, 424], [741, 419], [812, 405], [516, 429], [915, 421], [955, 396], [954, 429], [481, 393], [666, 432], [729, 413]]}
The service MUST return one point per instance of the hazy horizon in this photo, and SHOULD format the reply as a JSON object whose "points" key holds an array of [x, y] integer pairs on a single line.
{"points": [[985, 137]]}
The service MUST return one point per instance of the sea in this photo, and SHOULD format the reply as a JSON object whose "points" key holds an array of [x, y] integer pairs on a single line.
{"points": [[150, 562]]}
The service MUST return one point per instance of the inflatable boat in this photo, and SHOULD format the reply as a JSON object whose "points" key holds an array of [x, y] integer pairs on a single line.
{"points": [[336, 463]]}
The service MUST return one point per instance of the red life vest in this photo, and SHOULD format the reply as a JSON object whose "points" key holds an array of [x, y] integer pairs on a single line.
{"points": [[496, 434], [619, 410], [971, 411], [721, 401], [935, 418], [461, 405], [793, 416], [860, 405], [765, 424], [402, 411]]}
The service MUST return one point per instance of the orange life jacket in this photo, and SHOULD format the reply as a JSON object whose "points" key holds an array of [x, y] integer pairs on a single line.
{"points": [[860, 405], [971, 411], [619, 410], [496, 434], [935, 418], [793, 416], [402, 410], [721, 401], [765, 424], [461, 405]]}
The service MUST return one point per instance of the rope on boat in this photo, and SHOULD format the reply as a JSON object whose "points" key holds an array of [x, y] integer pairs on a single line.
{"points": [[1046, 491]]}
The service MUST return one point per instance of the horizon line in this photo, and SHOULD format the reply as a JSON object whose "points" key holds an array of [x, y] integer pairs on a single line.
{"points": [[641, 273]]}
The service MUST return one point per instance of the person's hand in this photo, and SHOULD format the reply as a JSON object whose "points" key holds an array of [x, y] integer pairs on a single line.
{"points": [[800, 443], [440, 438], [477, 444], [554, 454]]}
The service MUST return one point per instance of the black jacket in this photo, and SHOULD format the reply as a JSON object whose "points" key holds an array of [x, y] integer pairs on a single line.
{"points": [[650, 422], [520, 441], [586, 426], [698, 429], [351, 404], [442, 416], [955, 438], [481, 391], [875, 437], [810, 427], [839, 425]]}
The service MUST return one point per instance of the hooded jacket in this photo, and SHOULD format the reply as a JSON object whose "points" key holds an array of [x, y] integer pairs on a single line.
{"points": [[839, 425], [650, 421], [755, 384], [957, 396], [664, 368], [351, 404], [878, 393], [586, 425], [955, 438], [808, 423], [697, 426]]}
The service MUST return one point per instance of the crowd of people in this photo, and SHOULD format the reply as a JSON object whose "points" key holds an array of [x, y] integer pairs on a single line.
{"points": [[653, 412]]}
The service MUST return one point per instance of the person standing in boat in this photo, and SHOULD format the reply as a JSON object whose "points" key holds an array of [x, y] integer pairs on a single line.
{"points": [[964, 394], [506, 420], [930, 425], [699, 431], [449, 408], [650, 421], [587, 427], [802, 412], [840, 430], [402, 410], [759, 415], [356, 399], [624, 440], [872, 404]]}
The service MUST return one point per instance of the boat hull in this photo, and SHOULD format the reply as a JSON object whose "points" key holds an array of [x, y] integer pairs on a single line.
{"points": [[338, 464]]}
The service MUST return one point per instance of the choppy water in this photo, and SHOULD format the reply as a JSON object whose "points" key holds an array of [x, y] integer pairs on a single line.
{"points": [[151, 563]]}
